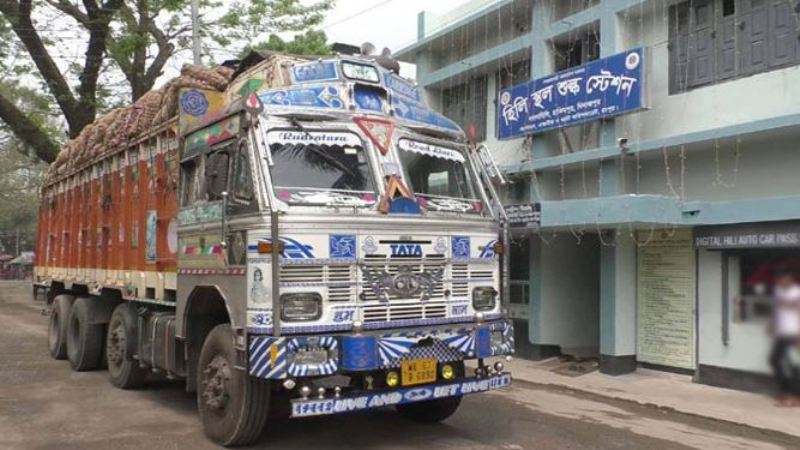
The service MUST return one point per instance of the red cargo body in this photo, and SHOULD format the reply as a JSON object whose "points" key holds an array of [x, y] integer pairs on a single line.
{"points": [[94, 228]]}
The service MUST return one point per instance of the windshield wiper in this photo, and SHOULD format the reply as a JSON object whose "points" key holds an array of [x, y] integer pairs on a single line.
{"points": [[296, 123]]}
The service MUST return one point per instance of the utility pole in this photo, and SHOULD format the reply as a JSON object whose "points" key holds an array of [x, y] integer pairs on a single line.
{"points": [[196, 31]]}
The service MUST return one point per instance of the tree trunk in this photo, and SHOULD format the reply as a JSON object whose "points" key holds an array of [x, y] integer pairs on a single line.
{"points": [[27, 131]]}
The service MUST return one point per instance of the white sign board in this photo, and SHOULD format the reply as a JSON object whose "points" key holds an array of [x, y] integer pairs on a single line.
{"points": [[666, 300]]}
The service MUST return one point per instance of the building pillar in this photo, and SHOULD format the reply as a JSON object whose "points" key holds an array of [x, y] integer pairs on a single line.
{"points": [[541, 61], [618, 306], [536, 350], [609, 172], [618, 262]]}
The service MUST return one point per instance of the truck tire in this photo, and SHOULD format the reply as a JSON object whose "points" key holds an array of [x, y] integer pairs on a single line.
{"points": [[233, 405], [124, 371], [57, 330], [431, 411], [84, 339]]}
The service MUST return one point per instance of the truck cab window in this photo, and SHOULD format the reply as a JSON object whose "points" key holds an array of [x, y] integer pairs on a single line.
{"points": [[242, 181], [434, 176], [321, 168], [217, 167], [192, 181]]}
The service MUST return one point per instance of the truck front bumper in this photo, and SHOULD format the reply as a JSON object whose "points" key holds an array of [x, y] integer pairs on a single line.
{"points": [[322, 355], [360, 401]]}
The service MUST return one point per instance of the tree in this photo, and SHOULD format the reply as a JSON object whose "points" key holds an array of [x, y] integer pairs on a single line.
{"points": [[127, 47], [312, 43], [78, 105], [20, 176]]}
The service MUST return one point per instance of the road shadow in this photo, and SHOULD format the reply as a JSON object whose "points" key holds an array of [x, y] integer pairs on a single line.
{"points": [[380, 428]]}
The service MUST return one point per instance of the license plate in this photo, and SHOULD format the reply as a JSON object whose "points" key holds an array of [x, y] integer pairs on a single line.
{"points": [[418, 371]]}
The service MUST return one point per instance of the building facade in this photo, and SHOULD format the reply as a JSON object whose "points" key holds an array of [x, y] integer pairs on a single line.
{"points": [[660, 228]]}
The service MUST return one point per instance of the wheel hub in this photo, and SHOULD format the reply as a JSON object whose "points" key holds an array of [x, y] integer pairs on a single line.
{"points": [[216, 381], [116, 345]]}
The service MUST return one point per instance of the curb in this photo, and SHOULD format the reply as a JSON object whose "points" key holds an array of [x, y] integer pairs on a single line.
{"points": [[656, 406]]}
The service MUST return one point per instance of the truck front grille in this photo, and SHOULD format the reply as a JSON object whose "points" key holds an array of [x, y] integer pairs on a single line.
{"points": [[392, 266], [339, 279], [386, 311]]}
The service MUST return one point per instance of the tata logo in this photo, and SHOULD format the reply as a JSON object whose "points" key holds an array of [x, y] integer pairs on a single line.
{"points": [[406, 249]]}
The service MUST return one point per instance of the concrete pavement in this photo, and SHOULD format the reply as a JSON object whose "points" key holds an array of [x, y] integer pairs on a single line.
{"points": [[671, 391]]}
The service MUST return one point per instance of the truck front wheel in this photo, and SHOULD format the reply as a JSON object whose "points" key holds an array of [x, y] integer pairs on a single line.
{"points": [[233, 405], [431, 411], [124, 370]]}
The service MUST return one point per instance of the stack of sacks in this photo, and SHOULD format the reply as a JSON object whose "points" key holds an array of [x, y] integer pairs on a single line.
{"points": [[121, 125]]}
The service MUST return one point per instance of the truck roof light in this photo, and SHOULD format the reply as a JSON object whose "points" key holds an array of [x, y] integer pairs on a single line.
{"points": [[379, 131]]}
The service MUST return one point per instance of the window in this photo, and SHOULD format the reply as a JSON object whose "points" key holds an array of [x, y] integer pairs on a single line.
{"points": [[242, 181], [438, 173], [581, 50], [728, 8], [715, 40], [466, 105], [320, 168], [518, 73], [519, 271], [756, 277], [217, 167], [192, 181]]}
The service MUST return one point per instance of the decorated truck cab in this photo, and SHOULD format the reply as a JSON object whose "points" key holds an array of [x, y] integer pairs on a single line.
{"points": [[335, 246]]}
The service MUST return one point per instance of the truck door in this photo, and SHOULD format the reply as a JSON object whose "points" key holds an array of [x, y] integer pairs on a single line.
{"points": [[242, 202]]}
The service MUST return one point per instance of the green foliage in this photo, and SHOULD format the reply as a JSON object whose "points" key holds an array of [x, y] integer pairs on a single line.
{"points": [[311, 43], [20, 176], [37, 106], [144, 36]]}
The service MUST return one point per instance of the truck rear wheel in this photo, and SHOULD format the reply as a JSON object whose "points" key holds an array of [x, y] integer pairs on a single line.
{"points": [[84, 339], [431, 411], [233, 405], [57, 330], [120, 340]]}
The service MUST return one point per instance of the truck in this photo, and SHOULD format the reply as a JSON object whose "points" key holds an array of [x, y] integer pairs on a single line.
{"points": [[292, 237]]}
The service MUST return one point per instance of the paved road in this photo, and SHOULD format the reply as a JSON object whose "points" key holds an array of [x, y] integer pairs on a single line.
{"points": [[44, 405]]}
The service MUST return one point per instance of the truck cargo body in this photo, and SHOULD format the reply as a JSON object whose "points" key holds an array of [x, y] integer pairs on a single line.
{"points": [[114, 223], [327, 246]]}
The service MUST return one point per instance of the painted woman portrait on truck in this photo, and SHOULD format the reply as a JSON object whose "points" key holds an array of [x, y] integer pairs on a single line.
{"points": [[258, 292]]}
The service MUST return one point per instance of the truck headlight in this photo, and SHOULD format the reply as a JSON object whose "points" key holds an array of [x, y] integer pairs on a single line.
{"points": [[311, 356], [483, 298], [496, 339], [301, 307]]}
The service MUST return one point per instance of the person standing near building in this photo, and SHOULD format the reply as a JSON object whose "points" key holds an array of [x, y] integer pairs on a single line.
{"points": [[785, 329]]}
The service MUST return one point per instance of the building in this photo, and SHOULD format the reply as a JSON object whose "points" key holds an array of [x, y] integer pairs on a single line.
{"points": [[660, 228]]}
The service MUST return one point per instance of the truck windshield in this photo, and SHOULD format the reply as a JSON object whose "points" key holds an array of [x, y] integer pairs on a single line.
{"points": [[437, 174], [320, 168]]}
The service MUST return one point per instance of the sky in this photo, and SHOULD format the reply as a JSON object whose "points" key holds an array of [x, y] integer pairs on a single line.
{"points": [[385, 23]]}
